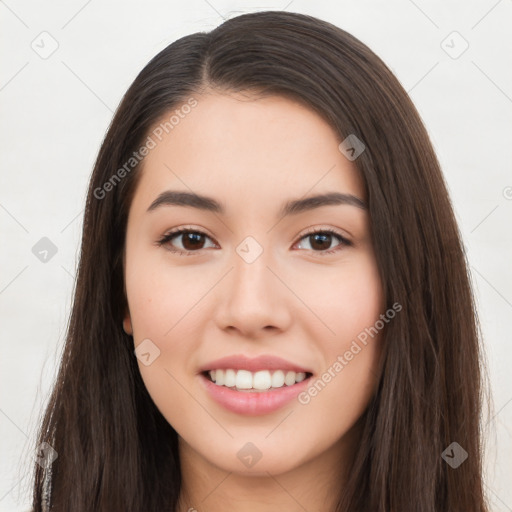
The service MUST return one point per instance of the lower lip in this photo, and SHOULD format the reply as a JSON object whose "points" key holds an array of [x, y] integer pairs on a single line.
{"points": [[253, 403]]}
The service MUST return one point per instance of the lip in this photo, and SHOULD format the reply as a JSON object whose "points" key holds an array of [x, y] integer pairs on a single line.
{"points": [[263, 362], [252, 403]]}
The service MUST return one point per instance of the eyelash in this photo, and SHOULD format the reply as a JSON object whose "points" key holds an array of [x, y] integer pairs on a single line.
{"points": [[169, 236]]}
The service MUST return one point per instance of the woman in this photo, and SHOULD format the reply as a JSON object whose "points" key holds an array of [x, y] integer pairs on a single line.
{"points": [[272, 306]]}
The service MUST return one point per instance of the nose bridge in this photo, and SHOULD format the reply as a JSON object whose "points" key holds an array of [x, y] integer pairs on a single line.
{"points": [[253, 299], [251, 279]]}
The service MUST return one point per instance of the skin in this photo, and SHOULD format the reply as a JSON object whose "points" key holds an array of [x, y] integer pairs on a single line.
{"points": [[294, 301]]}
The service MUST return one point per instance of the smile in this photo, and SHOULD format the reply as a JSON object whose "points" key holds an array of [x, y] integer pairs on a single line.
{"points": [[244, 380]]}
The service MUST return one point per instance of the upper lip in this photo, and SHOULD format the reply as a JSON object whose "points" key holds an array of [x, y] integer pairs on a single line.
{"points": [[263, 362]]}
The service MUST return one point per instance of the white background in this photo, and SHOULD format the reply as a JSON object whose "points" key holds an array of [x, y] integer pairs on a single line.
{"points": [[55, 112]]}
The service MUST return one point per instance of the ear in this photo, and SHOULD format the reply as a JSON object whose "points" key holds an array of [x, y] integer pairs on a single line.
{"points": [[127, 324]]}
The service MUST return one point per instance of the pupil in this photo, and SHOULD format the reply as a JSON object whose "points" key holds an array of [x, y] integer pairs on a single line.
{"points": [[324, 238], [194, 239]]}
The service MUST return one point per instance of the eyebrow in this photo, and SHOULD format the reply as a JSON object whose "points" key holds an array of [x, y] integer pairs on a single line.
{"points": [[292, 207]]}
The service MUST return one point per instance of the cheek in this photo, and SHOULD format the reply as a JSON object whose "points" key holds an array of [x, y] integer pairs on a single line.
{"points": [[164, 304], [159, 303], [346, 299], [349, 303], [160, 296]]}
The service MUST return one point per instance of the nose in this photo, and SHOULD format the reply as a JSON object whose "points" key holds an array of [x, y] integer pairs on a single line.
{"points": [[253, 301]]}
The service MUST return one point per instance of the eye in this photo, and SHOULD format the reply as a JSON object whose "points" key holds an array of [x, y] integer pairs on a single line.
{"points": [[321, 239], [193, 241]]}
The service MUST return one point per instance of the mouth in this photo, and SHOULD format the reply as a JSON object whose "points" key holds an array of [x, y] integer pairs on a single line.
{"points": [[254, 386], [255, 382]]}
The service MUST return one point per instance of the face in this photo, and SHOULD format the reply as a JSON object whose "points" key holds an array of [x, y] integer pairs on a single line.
{"points": [[283, 293]]}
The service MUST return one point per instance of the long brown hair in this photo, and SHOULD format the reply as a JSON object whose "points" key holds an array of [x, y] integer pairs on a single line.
{"points": [[115, 449]]}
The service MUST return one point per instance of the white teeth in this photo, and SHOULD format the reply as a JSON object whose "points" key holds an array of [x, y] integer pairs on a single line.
{"points": [[243, 379], [229, 378], [300, 377], [289, 378], [219, 377], [260, 380], [277, 379]]}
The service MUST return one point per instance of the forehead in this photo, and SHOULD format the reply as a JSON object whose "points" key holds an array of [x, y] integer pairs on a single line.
{"points": [[238, 147]]}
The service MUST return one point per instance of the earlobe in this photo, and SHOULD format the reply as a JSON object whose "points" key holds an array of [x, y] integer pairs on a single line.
{"points": [[127, 325]]}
